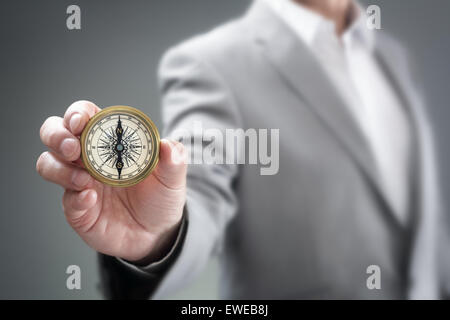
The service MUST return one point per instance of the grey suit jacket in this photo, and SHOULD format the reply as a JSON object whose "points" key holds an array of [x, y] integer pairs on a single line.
{"points": [[311, 230]]}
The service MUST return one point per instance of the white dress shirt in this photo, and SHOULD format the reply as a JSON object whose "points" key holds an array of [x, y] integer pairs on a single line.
{"points": [[350, 63]]}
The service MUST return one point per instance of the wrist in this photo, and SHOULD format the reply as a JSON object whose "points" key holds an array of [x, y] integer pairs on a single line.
{"points": [[162, 246]]}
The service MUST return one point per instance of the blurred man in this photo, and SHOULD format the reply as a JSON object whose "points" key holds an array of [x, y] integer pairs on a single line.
{"points": [[356, 185]]}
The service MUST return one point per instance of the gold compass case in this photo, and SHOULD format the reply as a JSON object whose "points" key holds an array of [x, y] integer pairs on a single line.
{"points": [[120, 146]]}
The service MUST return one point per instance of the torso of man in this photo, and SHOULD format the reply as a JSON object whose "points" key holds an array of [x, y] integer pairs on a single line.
{"points": [[350, 63], [340, 201]]}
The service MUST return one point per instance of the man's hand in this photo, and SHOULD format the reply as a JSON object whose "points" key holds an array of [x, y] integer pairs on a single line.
{"points": [[138, 223]]}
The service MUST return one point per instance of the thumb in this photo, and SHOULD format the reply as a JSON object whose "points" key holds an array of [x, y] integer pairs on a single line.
{"points": [[172, 165]]}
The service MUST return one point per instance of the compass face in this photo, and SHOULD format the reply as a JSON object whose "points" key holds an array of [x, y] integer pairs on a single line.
{"points": [[120, 146]]}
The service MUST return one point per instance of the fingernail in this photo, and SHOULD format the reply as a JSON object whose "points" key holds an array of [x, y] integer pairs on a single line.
{"points": [[81, 179], [68, 147], [178, 153], [75, 122]]}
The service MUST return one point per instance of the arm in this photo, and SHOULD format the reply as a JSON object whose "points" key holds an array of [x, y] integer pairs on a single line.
{"points": [[193, 92]]}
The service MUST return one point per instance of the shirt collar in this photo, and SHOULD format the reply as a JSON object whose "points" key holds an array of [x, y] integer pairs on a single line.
{"points": [[304, 22], [358, 32], [309, 25]]}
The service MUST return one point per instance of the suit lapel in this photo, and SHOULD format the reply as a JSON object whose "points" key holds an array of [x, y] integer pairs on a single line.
{"points": [[308, 80], [425, 195]]}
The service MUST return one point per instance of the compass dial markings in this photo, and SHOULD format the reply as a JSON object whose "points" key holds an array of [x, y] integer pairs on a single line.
{"points": [[134, 139]]}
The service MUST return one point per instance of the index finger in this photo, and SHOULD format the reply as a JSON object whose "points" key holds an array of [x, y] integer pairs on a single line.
{"points": [[78, 115]]}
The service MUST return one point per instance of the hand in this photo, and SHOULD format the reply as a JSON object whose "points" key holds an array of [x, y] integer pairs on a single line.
{"points": [[135, 223]]}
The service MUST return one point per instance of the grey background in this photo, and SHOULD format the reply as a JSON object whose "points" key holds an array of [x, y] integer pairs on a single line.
{"points": [[113, 60]]}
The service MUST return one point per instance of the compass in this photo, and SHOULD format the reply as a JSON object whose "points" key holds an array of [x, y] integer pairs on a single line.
{"points": [[120, 146]]}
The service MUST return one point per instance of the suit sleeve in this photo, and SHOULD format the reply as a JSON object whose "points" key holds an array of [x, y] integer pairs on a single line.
{"points": [[195, 98], [121, 279]]}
